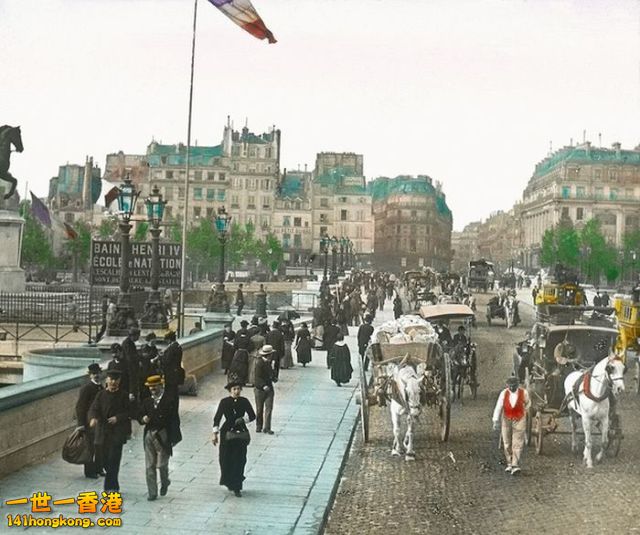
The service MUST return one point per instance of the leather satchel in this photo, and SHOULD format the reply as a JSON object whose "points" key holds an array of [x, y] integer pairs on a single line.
{"points": [[239, 435]]}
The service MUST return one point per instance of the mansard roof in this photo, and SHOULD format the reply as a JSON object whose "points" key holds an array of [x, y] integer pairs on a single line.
{"points": [[177, 154], [422, 185], [584, 154]]}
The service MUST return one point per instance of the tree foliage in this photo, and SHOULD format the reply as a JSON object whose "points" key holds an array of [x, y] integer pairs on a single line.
{"points": [[560, 244], [108, 229], [598, 257]]}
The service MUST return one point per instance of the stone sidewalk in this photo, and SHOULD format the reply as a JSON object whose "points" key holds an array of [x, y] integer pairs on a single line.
{"points": [[291, 475]]}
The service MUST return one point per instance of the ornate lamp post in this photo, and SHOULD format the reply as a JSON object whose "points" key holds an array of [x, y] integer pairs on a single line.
{"points": [[324, 249], [343, 248], [334, 256], [155, 316], [349, 249], [124, 317], [219, 301]]}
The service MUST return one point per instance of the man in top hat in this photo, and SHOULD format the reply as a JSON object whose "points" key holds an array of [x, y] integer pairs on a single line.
{"points": [[131, 357], [161, 433], [263, 389], [512, 406], [109, 415], [118, 363], [171, 366], [364, 337], [87, 394]]}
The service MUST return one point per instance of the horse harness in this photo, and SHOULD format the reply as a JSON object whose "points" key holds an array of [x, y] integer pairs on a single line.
{"points": [[585, 381]]}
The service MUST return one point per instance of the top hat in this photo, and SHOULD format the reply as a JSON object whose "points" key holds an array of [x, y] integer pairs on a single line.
{"points": [[244, 323], [94, 368], [513, 381], [154, 380], [266, 350], [116, 347]]}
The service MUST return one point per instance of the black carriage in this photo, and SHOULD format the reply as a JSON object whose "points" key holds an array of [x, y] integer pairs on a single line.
{"points": [[543, 362], [462, 352]]}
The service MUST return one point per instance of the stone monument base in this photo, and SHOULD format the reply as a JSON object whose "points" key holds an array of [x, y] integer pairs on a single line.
{"points": [[216, 320], [12, 278]]}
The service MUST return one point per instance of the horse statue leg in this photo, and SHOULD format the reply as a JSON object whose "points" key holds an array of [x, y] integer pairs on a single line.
{"points": [[9, 178], [410, 454], [395, 422]]}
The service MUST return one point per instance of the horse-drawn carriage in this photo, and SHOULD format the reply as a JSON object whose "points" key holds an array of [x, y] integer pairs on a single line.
{"points": [[410, 371], [567, 370], [479, 275], [417, 286], [460, 347], [627, 310], [504, 307]]}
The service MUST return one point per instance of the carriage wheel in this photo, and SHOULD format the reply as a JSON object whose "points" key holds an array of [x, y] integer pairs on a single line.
{"points": [[364, 404], [445, 401], [615, 436], [529, 424], [539, 433]]}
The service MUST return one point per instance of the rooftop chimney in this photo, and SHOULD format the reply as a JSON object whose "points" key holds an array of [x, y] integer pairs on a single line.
{"points": [[616, 146], [587, 148]]}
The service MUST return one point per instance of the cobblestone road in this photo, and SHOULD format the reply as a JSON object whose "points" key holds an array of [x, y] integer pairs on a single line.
{"points": [[435, 494]]}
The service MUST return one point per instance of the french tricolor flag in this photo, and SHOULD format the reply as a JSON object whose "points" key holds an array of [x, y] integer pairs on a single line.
{"points": [[244, 15]]}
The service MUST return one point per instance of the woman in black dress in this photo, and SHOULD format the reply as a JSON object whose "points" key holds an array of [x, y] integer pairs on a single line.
{"points": [[239, 368], [303, 345], [237, 412], [339, 360]]}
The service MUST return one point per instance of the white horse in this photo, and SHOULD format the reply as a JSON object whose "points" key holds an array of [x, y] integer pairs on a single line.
{"points": [[405, 401], [592, 401]]}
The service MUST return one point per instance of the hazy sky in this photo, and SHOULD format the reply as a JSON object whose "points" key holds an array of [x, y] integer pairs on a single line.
{"points": [[468, 92]]}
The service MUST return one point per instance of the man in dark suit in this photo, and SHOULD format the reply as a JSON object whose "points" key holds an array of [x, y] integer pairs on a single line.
{"points": [[131, 357], [364, 336], [171, 366], [239, 299], [88, 392], [110, 417], [263, 390], [275, 339], [161, 433]]}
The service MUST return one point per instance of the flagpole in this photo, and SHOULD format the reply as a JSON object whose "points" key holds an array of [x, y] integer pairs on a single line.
{"points": [[183, 274]]}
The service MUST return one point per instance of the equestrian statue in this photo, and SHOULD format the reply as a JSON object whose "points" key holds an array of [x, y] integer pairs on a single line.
{"points": [[9, 135]]}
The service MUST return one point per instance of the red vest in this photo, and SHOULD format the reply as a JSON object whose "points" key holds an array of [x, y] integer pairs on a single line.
{"points": [[516, 412]]}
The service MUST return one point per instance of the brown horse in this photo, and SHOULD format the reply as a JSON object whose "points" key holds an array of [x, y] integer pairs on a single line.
{"points": [[9, 135]]}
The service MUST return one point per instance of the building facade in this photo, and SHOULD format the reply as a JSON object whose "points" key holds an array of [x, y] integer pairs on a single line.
{"points": [[581, 183], [341, 203], [412, 223], [464, 247]]}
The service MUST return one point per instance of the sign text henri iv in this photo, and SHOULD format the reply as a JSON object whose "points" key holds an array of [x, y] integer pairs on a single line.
{"points": [[105, 264]]}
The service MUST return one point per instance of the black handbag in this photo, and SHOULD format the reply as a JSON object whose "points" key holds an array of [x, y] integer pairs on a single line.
{"points": [[238, 435]]}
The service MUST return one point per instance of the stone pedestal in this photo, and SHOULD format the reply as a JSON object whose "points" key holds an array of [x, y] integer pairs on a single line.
{"points": [[216, 320], [12, 278]]}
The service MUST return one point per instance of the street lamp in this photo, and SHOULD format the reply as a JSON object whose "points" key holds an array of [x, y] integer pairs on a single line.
{"points": [[324, 249], [219, 301], [350, 253], [155, 314], [124, 316]]}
